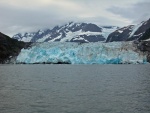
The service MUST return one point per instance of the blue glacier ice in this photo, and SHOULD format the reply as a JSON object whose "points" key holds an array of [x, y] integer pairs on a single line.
{"points": [[86, 53]]}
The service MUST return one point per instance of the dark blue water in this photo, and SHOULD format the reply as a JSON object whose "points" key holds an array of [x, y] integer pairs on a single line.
{"points": [[74, 88]]}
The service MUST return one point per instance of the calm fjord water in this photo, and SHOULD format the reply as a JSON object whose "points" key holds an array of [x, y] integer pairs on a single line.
{"points": [[74, 88]]}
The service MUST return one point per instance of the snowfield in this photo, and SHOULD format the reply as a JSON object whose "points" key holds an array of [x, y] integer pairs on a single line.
{"points": [[82, 53]]}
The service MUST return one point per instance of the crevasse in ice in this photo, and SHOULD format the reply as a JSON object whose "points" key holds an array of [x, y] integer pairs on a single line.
{"points": [[87, 53]]}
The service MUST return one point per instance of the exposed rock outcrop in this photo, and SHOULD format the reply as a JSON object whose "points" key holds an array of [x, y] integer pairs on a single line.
{"points": [[71, 32], [145, 47], [131, 32], [10, 48]]}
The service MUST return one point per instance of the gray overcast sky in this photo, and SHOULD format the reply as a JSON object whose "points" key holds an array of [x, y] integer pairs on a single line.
{"points": [[31, 15]]}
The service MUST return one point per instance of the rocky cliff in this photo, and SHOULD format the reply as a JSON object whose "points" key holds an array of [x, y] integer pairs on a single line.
{"points": [[145, 47], [131, 32], [9, 48]]}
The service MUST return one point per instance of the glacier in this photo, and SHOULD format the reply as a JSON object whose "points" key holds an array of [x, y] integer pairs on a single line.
{"points": [[82, 53]]}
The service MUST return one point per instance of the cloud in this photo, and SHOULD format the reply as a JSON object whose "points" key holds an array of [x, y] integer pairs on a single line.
{"points": [[31, 15], [136, 12]]}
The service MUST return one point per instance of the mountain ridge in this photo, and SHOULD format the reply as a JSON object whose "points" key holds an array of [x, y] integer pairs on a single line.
{"points": [[129, 33], [70, 32]]}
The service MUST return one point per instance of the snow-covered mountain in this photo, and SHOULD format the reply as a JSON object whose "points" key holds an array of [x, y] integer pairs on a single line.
{"points": [[71, 32], [129, 33]]}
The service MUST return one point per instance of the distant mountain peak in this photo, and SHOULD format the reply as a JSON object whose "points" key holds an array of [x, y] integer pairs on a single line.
{"points": [[129, 33], [69, 32]]}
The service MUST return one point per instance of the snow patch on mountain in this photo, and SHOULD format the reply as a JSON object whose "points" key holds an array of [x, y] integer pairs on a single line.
{"points": [[130, 33], [135, 28], [80, 32], [43, 38], [26, 37]]}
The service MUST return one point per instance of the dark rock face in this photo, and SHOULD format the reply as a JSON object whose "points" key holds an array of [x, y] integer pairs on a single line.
{"points": [[38, 35], [94, 38], [145, 47], [142, 29], [9, 47], [71, 32], [129, 33], [91, 27], [146, 35], [121, 34]]}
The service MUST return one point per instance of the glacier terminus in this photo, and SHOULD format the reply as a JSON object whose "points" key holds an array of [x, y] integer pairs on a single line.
{"points": [[82, 53]]}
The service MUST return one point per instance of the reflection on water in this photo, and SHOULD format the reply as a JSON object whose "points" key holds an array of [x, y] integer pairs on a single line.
{"points": [[74, 89]]}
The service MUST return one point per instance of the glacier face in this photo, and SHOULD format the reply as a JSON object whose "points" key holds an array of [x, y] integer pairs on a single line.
{"points": [[82, 53]]}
